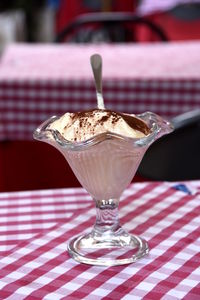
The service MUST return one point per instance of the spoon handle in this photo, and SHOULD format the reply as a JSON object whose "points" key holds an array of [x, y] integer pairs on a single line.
{"points": [[96, 64]]}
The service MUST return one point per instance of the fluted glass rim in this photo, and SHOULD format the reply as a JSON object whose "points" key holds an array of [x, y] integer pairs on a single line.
{"points": [[158, 127]]}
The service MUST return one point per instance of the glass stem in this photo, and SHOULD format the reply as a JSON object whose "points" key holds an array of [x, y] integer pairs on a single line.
{"points": [[107, 218]]}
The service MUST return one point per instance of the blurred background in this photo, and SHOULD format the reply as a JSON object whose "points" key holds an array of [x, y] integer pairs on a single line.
{"points": [[40, 21]]}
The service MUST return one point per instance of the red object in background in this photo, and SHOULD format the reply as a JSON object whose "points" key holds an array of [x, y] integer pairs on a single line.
{"points": [[30, 165], [175, 29], [178, 29], [69, 9], [126, 6]]}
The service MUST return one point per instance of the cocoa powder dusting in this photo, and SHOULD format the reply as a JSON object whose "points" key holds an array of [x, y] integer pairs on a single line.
{"points": [[132, 121], [136, 123]]}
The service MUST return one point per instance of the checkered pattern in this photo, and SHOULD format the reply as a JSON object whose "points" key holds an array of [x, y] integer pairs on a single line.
{"points": [[35, 226], [38, 81]]}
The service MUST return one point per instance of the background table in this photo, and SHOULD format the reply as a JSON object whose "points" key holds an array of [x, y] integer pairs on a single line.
{"points": [[35, 227], [38, 81]]}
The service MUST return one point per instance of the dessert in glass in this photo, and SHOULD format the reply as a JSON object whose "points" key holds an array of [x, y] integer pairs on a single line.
{"points": [[104, 149]]}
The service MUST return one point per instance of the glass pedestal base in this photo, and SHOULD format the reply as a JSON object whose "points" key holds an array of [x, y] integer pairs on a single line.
{"points": [[107, 248]]}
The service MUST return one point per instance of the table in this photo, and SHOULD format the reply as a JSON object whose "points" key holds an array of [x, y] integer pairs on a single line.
{"points": [[35, 227], [38, 81]]}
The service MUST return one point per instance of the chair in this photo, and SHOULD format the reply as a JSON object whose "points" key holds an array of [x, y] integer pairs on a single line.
{"points": [[107, 27], [176, 156]]}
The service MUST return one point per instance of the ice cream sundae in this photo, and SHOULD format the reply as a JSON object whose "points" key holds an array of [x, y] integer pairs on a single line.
{"points": [[104, 149]]}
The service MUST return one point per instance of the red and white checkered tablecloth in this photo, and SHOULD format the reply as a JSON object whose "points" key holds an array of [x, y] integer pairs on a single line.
{"points": [[38, 81], [35, 227]]}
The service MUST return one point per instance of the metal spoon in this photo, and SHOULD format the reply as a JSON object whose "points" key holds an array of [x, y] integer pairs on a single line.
{"points": [[96, 64]]}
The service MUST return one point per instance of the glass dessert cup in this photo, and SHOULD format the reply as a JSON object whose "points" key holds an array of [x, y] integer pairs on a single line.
{"points": [[105, 165]]}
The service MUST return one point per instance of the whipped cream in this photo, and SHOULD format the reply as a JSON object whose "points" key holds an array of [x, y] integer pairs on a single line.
{"points": [[80, 126]]}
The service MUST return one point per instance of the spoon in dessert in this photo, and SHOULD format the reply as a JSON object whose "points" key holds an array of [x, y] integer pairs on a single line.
{"points": [[96, 64]]}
